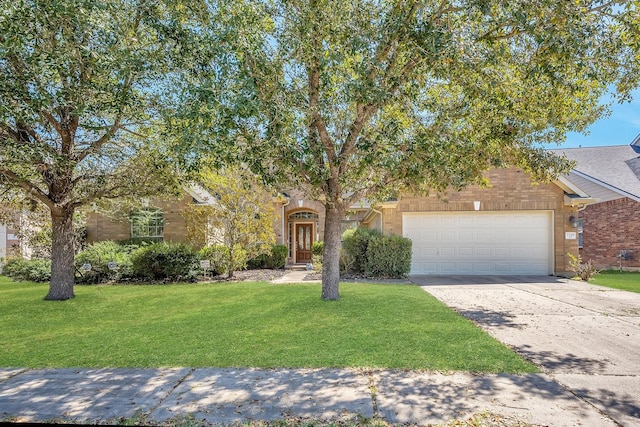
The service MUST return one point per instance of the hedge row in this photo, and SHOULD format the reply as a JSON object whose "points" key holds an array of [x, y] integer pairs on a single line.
{"points": [[370, 253], [113, 261]]}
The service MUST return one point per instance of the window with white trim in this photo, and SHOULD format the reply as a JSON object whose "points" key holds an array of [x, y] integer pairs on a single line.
{"points": [[580, 233], [147, 223]]}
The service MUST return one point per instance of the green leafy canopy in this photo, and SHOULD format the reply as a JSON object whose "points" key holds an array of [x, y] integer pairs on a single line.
{"points": [[372, 97]]}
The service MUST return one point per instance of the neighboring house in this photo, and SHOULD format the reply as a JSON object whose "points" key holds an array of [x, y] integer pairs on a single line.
{"points": [[9, 243], [514, 227], [609, 229]]}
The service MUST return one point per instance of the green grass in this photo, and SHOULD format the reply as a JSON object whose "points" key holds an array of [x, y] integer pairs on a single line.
{"points": [[627, 281], [243, 325]]}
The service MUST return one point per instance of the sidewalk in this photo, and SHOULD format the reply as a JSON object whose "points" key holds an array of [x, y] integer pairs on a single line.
{"points": [[222, 396], [295, 276]]}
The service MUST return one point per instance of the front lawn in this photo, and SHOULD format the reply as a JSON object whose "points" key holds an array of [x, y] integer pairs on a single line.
{"points": [[627, 281], [248, 324]]}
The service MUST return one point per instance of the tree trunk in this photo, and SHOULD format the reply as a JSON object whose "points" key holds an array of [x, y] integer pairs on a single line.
{"points": [[62, 256], [231, 259], [331, 254]]}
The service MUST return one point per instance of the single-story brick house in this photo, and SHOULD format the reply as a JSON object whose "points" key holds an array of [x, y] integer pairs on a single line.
{"points": [[513, 227], [609, 228]]}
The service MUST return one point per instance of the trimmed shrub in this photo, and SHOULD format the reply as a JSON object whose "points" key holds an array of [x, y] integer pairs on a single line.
{"points": [[317, 263], [276, 259], [355, 243], [162, 261], [388, 257], [257, 262], [100, 255], [218, 256], [318, 248], [31, 270]]}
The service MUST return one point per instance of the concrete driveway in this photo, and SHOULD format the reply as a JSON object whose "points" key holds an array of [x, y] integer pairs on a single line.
{"points": [[585, 337]]}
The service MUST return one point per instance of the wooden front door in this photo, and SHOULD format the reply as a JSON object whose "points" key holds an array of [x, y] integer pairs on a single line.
{"points": [[304, 242]]}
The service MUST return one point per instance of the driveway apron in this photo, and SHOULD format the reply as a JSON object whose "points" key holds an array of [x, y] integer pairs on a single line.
{"points": [[585, 337]]}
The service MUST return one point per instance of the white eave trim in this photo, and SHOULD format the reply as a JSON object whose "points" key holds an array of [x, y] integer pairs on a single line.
{"points": [[200, 194], [607, 186], [572, 201], [569, 187], [374, 210]]}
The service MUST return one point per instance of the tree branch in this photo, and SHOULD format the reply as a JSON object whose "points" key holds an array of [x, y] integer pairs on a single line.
{"points": [[30, 188], [316, 121], [97, 144]]}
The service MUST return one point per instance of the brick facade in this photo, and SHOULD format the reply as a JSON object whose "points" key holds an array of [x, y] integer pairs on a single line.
{"points": [[511, 190], [101, 227], [609, 228]]}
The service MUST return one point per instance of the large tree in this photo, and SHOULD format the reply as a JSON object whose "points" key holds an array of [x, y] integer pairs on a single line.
{"points": [[369, 98], [80, 82]]}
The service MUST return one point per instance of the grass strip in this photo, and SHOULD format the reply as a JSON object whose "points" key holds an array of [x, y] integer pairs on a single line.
{"points": [[624, 280], [246, 324]]}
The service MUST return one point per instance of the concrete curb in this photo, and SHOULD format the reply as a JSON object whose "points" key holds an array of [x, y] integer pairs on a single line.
{"points": [[224, 396]]}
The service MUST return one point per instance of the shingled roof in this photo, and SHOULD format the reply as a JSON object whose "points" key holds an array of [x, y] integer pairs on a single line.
{"points": [[616, 167]]}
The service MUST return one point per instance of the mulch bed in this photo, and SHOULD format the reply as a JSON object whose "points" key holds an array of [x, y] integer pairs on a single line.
{"points": [[261, 275]]}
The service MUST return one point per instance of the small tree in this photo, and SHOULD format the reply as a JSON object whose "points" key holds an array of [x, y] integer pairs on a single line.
{"points": [[241, 215], [585, 270]]}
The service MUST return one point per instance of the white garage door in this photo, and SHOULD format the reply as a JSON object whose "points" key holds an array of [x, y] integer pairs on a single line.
{"points": [[487, 243]]}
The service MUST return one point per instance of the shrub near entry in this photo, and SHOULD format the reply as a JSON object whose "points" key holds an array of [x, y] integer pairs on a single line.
{"points": [[389, 257], [173, 261], [221, 260], [277, 258], [369, 252], [355, 243]]}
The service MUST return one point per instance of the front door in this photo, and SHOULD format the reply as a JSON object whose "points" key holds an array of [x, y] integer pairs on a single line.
{"points": [[304, 242]]}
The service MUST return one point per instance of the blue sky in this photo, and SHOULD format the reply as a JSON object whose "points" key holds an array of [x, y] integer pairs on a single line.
{"points": [[620, 128]]}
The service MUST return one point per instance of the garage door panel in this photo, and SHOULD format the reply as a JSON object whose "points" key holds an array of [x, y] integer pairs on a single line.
{"points": [[483, 268], [480, 242], [447, 267], [501, 252], [448, 221], [465, 252], [502, 268]]}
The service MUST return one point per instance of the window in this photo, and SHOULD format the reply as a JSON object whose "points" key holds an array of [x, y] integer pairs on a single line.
{"points": [[303, 215], [147, 224], [580, 233]]}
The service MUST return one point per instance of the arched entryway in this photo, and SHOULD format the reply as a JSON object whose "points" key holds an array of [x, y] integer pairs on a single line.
{"points": [[302, 231]]}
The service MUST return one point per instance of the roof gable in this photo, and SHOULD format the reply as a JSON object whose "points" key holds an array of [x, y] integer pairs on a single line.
{"points": [[614, 167], [635, 145]]}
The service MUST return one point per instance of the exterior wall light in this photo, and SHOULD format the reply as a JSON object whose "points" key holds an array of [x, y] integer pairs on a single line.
{"points": [[573, 220]]}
